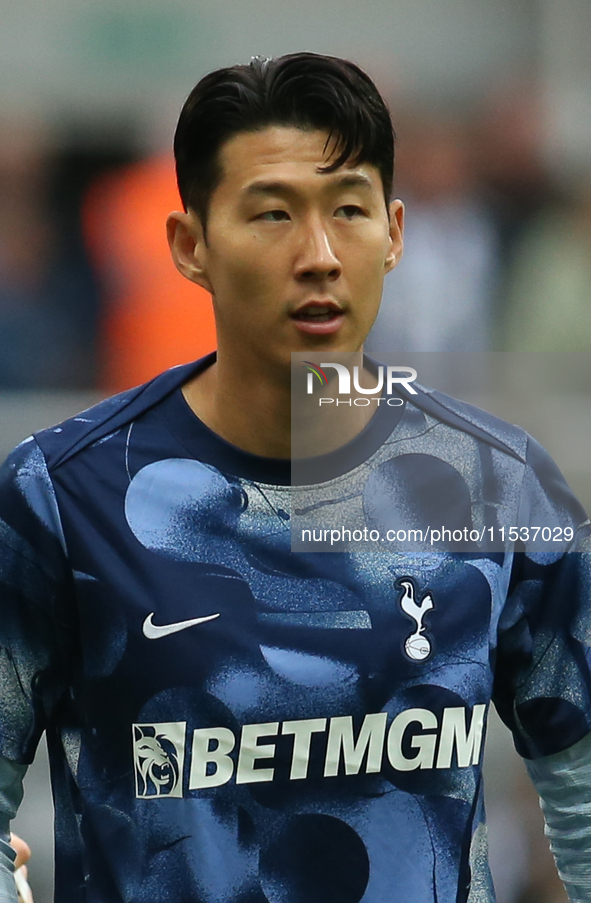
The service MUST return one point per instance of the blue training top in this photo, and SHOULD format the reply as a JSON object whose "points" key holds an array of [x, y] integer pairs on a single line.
{"points": [[230, 721]]}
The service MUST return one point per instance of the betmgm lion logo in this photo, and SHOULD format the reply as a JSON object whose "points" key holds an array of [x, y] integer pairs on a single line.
{"points": [[158, 754]]}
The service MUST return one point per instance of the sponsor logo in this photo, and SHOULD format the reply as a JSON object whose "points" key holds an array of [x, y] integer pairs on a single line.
{"points": [[415, 739], [159, 755], [156, 631], [417, 646]]}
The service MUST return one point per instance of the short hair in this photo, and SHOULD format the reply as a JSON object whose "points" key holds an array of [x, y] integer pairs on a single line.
{"points": [[302, 90]]}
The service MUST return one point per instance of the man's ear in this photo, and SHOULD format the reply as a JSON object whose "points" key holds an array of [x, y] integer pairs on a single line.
{"points": [[396, 211], [188, 247]]}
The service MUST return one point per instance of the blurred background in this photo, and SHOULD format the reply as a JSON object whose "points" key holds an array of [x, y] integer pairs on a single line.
{"points": [[491, 101]]}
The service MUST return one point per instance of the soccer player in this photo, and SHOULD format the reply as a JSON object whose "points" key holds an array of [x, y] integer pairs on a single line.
{"points": [[232, 722]]}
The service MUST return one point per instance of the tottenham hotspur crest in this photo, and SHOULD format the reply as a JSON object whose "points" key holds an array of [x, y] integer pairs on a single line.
{"points": [[417, 646]]}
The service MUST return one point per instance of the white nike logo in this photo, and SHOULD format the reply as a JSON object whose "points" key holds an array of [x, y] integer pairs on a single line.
{"points": [[155, 631]]}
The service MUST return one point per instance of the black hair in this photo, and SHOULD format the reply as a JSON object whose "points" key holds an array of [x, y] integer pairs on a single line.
{"points": [[305, 90]]}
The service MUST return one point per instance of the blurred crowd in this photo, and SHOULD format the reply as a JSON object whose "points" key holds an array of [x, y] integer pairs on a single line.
{"points": [[497, 249], [497, 253]]}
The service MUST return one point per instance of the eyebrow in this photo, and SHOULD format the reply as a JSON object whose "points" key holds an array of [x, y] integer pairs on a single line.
{"points": [[344, 180]]}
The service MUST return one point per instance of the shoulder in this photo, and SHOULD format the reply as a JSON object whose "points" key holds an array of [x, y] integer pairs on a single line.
{"points": [[28, 502], [468, 418], [64, 440], [538, 474]]}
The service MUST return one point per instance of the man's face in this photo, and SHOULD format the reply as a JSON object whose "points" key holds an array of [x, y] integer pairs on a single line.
{"points": [[295, 258]]}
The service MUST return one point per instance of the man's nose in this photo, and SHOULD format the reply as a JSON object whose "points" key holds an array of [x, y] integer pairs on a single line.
{"points": [[317, 258]]}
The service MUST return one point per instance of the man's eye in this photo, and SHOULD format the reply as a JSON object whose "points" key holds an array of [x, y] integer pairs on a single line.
{"points": [[349, 211], [274, 216]]}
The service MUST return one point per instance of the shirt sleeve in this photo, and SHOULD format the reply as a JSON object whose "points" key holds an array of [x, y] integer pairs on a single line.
{"points": [[543, 662], [35, 593], [564, 784], [542, 669]]}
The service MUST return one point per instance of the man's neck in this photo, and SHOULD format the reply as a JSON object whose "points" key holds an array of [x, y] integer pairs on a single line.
{"points": [[256, 415]]}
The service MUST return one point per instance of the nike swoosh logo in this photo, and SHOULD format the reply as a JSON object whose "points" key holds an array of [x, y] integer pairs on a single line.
{"points": [[155, 631]]}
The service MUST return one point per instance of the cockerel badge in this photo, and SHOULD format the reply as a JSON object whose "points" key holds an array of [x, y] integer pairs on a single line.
{"points": [[417, 646]]}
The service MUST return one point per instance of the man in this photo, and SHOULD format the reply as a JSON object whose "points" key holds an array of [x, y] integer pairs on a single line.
{"points": [[231, 721]]}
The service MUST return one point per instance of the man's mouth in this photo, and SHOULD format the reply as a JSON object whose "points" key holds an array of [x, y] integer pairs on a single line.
{"points": [[318, 317], [316, 313]]}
